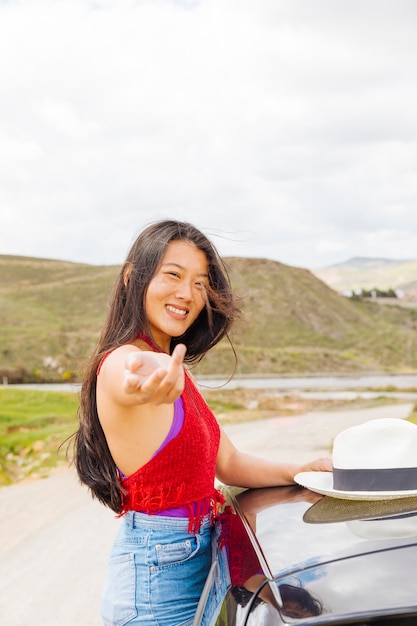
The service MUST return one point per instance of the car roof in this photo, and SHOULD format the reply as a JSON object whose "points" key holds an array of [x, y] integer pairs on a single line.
{"points": [[342, 569]]}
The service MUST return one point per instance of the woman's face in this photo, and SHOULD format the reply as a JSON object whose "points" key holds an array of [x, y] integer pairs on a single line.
{"points": [[176, 294]]}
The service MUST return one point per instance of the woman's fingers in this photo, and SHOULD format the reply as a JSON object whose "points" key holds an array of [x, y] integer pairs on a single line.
{"points": [[142, 363], [166, 385], [173, 382], [151, 382], [178, 353]]}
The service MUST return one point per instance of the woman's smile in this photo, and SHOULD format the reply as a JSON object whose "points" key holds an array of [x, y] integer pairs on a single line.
{"points": [[176, 311]]}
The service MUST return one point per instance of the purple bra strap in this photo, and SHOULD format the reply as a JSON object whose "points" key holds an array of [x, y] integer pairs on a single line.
{"points": [[176, 425]]}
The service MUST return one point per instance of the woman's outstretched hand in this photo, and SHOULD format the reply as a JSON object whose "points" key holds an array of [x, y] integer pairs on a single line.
{"points": [[153, 377]]}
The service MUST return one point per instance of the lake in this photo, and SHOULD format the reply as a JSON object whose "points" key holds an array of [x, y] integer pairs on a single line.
{"points": [[312, 384]]}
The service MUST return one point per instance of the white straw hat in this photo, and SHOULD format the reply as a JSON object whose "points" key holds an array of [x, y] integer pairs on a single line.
{"points": [[373, 461]]}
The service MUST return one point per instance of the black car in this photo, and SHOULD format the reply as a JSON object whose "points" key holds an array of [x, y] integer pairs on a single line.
{"points": [[288, 567]]}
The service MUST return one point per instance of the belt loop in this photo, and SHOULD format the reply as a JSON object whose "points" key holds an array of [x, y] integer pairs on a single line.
{"points": [[130, 519]]}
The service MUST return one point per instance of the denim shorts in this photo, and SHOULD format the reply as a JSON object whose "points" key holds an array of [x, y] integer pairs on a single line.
{"points": [[157, 571]]}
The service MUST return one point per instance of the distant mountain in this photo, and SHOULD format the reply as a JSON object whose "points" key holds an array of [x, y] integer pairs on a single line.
{"points": [[364, 262], [372, 273], [51, 314]]}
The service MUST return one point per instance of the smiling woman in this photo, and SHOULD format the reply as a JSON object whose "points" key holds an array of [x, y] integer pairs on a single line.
{"points": [[148, 446]]}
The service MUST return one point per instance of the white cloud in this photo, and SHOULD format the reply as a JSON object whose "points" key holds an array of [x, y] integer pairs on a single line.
{"points": [[288, 128]]}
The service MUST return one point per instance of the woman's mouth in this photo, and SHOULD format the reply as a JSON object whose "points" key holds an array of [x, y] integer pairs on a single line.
{"points": [[176, 311]]}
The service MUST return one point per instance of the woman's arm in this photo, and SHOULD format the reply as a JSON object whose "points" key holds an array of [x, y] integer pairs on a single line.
{"points": [[245, 470]]}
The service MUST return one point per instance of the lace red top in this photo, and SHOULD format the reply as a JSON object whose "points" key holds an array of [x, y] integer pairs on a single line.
{"points": [[183, 472]]}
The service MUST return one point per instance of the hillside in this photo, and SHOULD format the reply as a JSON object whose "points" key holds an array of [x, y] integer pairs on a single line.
{"points": [[370, 273], [51, 313]]}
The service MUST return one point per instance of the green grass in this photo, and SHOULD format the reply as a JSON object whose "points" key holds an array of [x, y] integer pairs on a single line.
{"points": [[33, 424]]}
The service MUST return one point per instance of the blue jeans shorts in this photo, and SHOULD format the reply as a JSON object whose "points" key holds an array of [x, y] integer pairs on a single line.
{"points": [[156, 573]]}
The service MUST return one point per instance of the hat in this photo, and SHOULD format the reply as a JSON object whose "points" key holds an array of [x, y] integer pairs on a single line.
{"points": [[328, 509], [373, 461]]}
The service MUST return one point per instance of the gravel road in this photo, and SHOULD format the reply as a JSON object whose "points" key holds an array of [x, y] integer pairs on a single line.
{"points": [[54, 539]]}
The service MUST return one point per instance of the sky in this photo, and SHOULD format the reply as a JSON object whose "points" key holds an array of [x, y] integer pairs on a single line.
{"points": [[284, 129]]}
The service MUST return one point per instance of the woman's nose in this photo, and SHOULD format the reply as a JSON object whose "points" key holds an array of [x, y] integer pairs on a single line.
{"points": [[184, 291]]}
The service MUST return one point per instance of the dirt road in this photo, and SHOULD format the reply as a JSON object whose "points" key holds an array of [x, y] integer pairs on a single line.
{"points": [[54, 539]]}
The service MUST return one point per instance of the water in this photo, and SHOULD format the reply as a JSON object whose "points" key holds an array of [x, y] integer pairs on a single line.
{"points": [[397, 381], [392, 383]]}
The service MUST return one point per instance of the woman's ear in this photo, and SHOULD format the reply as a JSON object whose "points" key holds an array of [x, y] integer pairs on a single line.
{"points": [[127, 272]]}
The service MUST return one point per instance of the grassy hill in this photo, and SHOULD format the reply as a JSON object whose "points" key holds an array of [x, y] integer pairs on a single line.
{"points": [[370, 273], [51, 313]]}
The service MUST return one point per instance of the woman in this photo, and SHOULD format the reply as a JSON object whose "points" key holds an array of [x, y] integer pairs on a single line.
{"points": [[148, 446]]}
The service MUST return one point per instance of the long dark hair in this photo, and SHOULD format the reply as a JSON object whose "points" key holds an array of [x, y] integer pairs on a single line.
{"points": [[126, 320]]}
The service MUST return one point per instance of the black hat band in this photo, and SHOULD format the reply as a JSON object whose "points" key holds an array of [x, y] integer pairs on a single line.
{"points": [[385, 479]]}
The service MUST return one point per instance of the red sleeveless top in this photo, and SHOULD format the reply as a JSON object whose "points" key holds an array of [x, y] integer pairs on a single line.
{"points": [[183, 472]]}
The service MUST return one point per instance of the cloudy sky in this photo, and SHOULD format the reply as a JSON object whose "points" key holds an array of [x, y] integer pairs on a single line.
{"points": [[285, 129]]}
